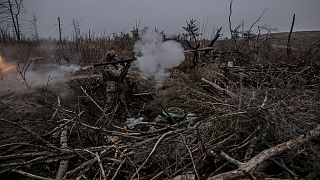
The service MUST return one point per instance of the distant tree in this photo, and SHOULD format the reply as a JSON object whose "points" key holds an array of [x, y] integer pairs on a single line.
{"points": [[191, 36], [77, 34], [34, 24], [192, 32], [136, 30], [9, 12]]}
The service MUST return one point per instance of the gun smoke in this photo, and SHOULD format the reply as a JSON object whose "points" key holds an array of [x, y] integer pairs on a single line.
{"points": [[37, 76], [51, 73], [157, 55]]}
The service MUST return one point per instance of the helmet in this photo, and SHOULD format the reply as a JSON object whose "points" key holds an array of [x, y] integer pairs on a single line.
{"points": [[111, 55]]}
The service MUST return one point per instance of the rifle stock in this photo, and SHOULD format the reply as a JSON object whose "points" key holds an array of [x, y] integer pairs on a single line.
{"points": [[114, 62]]}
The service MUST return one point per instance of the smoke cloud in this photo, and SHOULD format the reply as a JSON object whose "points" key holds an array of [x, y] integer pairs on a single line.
{"points": [[38, 76], [157, 55], [51, 72]]}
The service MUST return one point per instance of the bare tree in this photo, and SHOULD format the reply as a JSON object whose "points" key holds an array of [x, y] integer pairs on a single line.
{"points": [[4, 19], [60, 35], [9, 12], [192, 34], [136, 30], [289, 37], [232, 32], [77, 34], [34, 23], [4, 11], [22, 69], [15, 9]]}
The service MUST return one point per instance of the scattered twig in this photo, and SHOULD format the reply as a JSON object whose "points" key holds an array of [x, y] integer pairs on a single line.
{"points": [[101, 166], [30, 175], [190, 153], [118, 169], [83, 165], [94, 102]]}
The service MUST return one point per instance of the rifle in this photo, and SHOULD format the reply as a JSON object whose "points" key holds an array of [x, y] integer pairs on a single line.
{"points": [[116, 61]]}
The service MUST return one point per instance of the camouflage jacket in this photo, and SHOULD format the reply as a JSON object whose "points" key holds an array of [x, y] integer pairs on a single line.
{"points": [[112, 73], [111, 76]]}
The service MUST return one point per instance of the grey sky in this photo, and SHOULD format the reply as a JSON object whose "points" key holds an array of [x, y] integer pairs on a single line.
{"points": [[170, 15]]}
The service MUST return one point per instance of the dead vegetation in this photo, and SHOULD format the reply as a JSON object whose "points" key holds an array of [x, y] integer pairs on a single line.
{"points": [[255, 119]]}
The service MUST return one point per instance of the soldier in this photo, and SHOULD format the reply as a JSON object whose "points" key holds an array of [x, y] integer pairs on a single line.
{"points": [[113, 76]]}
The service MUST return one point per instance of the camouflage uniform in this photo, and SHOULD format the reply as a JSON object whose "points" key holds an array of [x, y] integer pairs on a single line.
{"points": [[115, 87]]}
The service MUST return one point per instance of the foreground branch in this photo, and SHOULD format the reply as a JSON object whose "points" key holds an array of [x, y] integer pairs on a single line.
{"points": [[248, 167], [64, 144], [30, 175]]}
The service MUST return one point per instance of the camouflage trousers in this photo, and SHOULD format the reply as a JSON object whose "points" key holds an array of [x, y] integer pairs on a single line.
{"points": [[118, 99]]}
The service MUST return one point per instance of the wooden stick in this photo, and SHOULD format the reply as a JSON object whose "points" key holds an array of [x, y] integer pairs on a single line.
{"points": [[94, 102], [217, 87], [83, 165], [101, 166], [192, 159], [231, 159], [118, 169], [30, 175], [64, 144]]}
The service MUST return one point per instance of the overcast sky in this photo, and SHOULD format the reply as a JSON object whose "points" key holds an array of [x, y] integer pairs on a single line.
{"points": [[109, 16]]}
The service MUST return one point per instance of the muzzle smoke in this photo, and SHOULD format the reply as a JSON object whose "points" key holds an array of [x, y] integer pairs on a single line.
{"points": [[157, 55]]}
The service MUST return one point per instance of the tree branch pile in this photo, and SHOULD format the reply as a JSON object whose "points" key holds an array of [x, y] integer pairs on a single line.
{"points": [[249, 120]]}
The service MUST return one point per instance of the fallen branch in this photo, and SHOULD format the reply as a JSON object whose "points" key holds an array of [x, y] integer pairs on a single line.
{"points": [[94, 102], [248, 167], [83, 165], [118, 169], [101, 166], [217, 87], [64, 144], [192, 159], [30, 175]]}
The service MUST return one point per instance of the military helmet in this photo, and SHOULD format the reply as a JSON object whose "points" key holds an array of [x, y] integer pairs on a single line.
{"points": [[111, 53]]}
